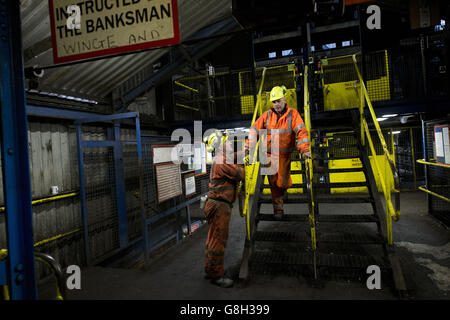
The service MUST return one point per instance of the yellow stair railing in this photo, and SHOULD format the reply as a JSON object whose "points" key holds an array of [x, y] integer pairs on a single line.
{"points": [[250, 180], [392, 210], [309, 162], [424, 188]]}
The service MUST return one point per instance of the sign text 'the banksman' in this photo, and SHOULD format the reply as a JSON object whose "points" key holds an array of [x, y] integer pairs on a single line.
{"points": [[106, 27]]}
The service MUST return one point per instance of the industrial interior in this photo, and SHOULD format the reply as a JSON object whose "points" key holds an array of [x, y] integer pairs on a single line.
{"points": [[89, 127]]}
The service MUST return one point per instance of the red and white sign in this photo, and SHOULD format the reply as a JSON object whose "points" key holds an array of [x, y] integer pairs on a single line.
{"points": [[94, 28]]}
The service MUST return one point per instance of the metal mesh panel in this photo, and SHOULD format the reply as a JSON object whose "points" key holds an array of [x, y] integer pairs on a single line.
{"points": [[132, 189], [407, 76], [230, 92], [438, 179], [101, 204], [408, 149]]}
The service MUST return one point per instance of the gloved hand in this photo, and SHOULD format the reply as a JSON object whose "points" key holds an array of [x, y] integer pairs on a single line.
{"points": [[247, 160], [306, 155]]}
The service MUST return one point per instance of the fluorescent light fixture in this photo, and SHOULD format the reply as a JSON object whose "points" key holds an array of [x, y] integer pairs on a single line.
{"points": [[381, 119], [395, 132], [286, 52], [272, 54], [345, 43], [389, 115], [329, 46]]}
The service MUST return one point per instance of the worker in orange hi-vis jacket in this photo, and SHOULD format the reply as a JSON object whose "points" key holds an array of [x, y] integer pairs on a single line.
{"points": [[289, 126], [225, 176]]}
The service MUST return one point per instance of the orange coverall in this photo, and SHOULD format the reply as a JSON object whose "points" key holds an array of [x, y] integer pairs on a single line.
{"points": [[223, 181], [290, 126]]}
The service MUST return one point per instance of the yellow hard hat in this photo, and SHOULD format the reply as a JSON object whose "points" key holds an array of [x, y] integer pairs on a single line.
{"points": [[277, 93], [214, 140]]}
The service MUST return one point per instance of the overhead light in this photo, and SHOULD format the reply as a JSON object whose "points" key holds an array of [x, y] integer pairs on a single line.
{"points": [[389, 115], [395, 132], [381, 119]]}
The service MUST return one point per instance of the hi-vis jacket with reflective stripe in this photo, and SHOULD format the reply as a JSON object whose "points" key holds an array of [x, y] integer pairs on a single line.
{"points": [[289, 126], [224, 177]]}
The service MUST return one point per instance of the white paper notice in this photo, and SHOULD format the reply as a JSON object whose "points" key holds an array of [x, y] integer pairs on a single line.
{"points": [[446, 145], [439, 144]]}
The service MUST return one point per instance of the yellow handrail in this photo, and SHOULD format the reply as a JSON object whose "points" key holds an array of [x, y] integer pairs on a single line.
{"points": [[422, 161], [249, 184], [423, 188], [391, 212], [308, 162]]}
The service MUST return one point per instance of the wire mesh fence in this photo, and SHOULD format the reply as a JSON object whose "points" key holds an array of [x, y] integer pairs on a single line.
{"points": [[408, 149], [101, 201], [437, 178], [233, 92], [165, 228]]}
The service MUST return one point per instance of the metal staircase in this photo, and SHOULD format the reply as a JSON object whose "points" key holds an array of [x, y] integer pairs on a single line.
{"points": [[327, 242]]}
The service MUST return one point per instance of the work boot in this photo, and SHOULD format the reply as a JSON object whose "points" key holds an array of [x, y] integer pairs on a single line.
{"points": [[223, 282]]}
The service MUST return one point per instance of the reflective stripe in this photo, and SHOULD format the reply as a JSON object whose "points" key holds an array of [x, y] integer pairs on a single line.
{"points": [[297, 129], [276, 131], [278, 206], [217, 182], [216, 253], [302, 141], [268, 117], [274, 149], [253, 130], [220, 200]]}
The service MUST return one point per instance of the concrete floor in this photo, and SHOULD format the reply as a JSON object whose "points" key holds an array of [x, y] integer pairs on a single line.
{"points": [[422, 245]]}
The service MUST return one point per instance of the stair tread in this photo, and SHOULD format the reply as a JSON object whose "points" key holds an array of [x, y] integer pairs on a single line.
{"points": [[299, 236], [322, 259], [331, 198], [347, 218], [285, 217], [340, 184]]}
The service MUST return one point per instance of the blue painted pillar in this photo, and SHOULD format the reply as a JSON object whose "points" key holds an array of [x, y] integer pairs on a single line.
{"points": [[14, 149]]}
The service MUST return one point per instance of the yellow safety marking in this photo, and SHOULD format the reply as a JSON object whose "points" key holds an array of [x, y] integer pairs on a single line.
{"points": [[185, 86], [422, 188], [53, 198], [422, 161], [37, 244]]}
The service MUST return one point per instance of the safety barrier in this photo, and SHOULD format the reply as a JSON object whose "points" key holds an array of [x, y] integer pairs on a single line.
{"points": [[51, 263], [424, 188], [309, 168], [250, 182], [391, 211]]}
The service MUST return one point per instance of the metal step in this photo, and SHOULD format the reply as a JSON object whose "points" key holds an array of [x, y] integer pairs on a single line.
{"points": [[322, 198], [340, 185], [322, 259], [335, 238], [340, 170], [295, 185], [347, 218], [277, 236], [285, 217], [349, 238]]}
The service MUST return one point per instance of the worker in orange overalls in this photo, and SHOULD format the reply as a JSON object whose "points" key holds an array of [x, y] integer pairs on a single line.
{"points": [[289, 126], [225, 176]]}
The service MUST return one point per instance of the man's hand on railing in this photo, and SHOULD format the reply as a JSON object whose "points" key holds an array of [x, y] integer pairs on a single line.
{"points": [[247, 160]]}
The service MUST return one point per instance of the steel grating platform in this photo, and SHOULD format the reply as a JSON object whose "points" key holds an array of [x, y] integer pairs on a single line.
{"points": [[322, 260], [335, 238]]}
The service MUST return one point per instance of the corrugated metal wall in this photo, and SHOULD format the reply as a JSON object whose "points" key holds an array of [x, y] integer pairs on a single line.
{"points": [[54, 162]]}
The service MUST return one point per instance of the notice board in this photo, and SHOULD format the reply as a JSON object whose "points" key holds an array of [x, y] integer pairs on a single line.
{"points": [[442, 144], [88, 29], [168, 181]]}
